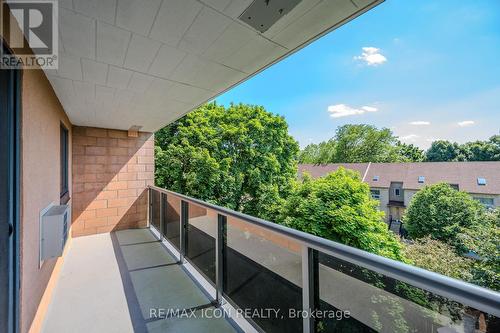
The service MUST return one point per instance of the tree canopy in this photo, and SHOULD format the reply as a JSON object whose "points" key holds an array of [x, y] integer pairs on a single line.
{"points": [[363, 143], [440, 211], [240, 157], [446, 151], [358, 144], [442, 220], [366, 143], [483, 239], [442, 151], [339, 207], [438, 257]]}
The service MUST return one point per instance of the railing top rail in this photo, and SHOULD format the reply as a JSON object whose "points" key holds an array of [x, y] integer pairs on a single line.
{"points": [[469, 294]]}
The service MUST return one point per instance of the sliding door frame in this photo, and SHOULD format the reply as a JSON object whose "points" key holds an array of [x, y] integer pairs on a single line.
{"points": [[11, 104]]}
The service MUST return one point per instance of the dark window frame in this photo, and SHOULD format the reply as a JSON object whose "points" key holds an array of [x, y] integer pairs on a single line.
{"points": [[375, 194], [11, 100], [64, 164]]}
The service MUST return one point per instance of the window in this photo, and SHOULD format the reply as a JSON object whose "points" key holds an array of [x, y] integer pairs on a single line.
{"points": [[421, 179], [375, 194], [454, 186], [481, 181], [375, 178], [397, 192], [487, 202], [64, 191]]}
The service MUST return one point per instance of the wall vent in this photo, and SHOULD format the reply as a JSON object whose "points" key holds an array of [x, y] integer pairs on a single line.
{"points": [[55, 223], [263, 14]]}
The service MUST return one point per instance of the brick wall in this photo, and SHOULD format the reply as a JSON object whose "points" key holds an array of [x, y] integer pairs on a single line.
{"points": [[110, 175]]}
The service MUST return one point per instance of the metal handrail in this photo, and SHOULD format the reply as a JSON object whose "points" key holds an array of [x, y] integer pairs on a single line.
{"points": [[483, 299]]}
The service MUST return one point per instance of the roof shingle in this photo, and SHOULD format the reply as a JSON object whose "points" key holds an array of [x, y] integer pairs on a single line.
{"points": [[464, 174]]}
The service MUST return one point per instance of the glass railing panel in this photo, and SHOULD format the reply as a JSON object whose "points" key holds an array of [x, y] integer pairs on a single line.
{"points": [[172, 220], [200, 239], [155, 209], [361, 300], [263, 270]]}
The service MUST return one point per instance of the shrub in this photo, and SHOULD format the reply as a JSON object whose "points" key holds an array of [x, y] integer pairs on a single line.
{"points": [[438, 257]]}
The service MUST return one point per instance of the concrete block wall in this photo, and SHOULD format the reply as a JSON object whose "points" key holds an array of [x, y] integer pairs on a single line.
{"points": [[110, 173]]}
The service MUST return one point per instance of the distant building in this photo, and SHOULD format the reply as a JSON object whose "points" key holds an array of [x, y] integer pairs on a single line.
{"points": [[394, 184]]}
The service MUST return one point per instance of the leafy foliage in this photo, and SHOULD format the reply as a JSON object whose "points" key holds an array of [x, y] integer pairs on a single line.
{"points": [[439, 211], [366, 143], [443, 219], [358, 144], [321, 153], [483, 239], [442, 150], [439, 257], [339, 207], [446, 151], [363, 143], [241, 157], [408, 153]]}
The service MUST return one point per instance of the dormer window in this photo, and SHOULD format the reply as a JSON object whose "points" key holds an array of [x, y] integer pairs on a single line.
{"points": [[421, 179], [481, 181], [375, 178]]}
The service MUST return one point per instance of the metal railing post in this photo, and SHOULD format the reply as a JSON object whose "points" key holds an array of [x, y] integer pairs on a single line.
{"points": [[184, 220], [163, 198], [220, 259], [310, 287], [150, 206]]}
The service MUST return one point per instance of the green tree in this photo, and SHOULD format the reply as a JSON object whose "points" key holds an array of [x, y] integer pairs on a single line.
{"points": [[240, 157], [439, 211], [320, 153], [481, 151], [483, 239], [443, 151], [363, 143], [446, 151], [404, 152], [439, 257], [339, 207]]}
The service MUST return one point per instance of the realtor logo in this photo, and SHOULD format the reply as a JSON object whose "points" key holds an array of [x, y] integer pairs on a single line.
{"points": [[30, 31]]}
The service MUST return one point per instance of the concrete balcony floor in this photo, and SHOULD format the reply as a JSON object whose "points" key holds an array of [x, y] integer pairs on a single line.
{"points": [[109, 283]]}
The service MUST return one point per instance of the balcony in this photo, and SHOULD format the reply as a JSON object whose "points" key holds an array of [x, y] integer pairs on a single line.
{"points": [[110, 282], [204, 268]]}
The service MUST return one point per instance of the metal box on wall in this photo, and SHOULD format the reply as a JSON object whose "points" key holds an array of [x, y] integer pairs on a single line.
{"points": [[54, 231]]}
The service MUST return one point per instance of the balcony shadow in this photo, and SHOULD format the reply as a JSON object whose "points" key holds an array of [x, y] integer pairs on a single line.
{"points": [[152, 280]]}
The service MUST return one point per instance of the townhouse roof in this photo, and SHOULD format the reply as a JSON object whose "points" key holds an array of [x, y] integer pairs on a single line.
{"points": [[467, 175]]}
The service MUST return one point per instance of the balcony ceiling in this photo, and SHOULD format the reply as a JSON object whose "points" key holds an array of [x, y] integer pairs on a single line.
{"points": [[125, 63]]}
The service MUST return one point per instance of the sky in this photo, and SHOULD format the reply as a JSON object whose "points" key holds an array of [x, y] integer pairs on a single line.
{"points": [[428, 70]]}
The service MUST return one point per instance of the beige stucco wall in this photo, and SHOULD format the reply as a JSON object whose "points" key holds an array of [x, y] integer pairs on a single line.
{"points": [[42, 115], [408, 195], [383, 201]]}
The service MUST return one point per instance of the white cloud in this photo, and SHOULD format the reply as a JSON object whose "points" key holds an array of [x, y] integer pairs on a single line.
{"points": [[371, 56], [409, 137], [420, 123], [342, 110], [465, 123]]}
